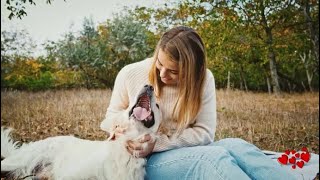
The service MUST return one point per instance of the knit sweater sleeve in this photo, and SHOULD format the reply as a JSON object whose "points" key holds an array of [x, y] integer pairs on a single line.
{"points": [[202, 131], [119, 100]]}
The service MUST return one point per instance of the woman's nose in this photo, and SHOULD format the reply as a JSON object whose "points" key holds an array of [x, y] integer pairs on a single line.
{"points": [[163, 72]]}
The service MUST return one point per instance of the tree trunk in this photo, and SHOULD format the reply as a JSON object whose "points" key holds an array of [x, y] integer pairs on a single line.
{"points": [[304, 87], [269, 85], [273, 66], [289, 86], [228, 83], [312, 31], [243, 80], [271, 54], [309, 75]]}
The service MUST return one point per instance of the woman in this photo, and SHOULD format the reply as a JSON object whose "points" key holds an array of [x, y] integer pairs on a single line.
{"points": [[185, 91]]}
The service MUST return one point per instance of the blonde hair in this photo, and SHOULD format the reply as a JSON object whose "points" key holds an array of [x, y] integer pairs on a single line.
{"points": [[184, 46]]}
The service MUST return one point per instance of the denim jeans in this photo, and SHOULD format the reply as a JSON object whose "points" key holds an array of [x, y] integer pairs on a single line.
{"points": [[230, 158]]}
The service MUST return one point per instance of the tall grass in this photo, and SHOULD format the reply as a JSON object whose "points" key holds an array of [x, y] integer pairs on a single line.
{"points": [[271, 123]]}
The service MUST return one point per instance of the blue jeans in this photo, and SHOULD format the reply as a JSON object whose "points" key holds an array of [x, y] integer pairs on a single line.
{"points": [[230, 158]]}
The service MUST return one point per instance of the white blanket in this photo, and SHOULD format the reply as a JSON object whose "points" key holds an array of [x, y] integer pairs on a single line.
{"points": [[307, 172]]}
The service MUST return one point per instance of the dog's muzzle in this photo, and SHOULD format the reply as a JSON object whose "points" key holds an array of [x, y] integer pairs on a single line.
{"points": [[142, 110]]}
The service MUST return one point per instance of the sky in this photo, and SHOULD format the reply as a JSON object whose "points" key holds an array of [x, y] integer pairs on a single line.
{"points": [[50, 21]]}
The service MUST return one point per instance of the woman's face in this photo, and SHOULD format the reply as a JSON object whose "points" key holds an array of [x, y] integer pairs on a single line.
{"points": [[169, 70]]}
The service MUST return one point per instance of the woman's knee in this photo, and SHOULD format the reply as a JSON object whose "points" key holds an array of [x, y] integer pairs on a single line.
{"points": [[192, 162], [231, 143], [205, 153]]}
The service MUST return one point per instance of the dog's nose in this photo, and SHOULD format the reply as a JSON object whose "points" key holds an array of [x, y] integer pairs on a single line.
{"points": [[149, 90], [149, 87]]}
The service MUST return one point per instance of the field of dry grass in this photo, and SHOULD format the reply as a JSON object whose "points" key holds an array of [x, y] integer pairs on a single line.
{"points": [[271, 123]]}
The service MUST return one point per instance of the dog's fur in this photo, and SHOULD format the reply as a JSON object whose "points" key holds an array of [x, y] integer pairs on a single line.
{"points": [[68, 157]]}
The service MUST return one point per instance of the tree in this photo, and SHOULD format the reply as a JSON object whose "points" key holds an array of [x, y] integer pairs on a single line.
{"points": [[252, 41], [16, 43], [100, 52], [311, 19], [17, 7], [125, 41]]}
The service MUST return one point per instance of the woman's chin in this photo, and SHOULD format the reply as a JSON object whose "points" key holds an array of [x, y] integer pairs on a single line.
{"points": [[168, 82]]}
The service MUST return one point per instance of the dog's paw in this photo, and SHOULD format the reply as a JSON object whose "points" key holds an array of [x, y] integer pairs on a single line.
{"points": [[154, 137]]}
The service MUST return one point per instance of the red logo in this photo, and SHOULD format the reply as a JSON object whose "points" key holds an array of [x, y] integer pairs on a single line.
{"points": [[296, 159]]}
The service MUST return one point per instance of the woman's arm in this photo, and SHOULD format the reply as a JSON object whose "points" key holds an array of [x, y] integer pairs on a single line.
{"points": [[202, 131], [118, 103]]}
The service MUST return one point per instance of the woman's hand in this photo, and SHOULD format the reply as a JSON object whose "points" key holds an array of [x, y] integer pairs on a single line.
{"points": [[141, 147]]}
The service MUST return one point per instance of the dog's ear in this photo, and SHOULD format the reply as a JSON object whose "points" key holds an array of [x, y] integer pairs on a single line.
{"points": [[106, 124], [114, 119]]}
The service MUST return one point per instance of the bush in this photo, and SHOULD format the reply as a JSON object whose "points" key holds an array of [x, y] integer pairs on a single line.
{"points": [[36, 75]]}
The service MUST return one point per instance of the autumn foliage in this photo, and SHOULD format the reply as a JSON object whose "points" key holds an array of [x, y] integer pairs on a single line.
{"points": [[250, 45]]}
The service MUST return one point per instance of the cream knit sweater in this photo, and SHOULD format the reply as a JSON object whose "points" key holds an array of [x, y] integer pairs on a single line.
{"points": [[129, 82]]}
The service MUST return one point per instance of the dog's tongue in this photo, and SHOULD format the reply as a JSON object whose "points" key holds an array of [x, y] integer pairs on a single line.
{"points": [[141, 113]]}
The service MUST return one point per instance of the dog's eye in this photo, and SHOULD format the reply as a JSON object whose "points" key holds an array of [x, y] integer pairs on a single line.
{"points": [[157, 106]]}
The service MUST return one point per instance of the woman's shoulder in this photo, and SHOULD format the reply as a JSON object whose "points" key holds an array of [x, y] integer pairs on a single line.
{"points": [[135, 72], [138, 66], [135, 75], [209, 75], [209, 82]]}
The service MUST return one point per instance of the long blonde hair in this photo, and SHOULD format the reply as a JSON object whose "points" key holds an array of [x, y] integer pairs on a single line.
{"points": [[184, 46]]}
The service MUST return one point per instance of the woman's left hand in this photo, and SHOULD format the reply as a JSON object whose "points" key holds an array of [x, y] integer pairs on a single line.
{"points": [[142, 147]]}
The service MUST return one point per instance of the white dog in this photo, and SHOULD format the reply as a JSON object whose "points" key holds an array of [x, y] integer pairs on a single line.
{"points": [[68, 157]]}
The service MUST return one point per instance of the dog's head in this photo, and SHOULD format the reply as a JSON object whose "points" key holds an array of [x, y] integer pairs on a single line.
{"points": [[146, 111]]}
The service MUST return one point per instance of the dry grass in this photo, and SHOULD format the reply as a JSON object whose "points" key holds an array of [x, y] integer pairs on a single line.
{"points": [[271, 123], [287, 122]]}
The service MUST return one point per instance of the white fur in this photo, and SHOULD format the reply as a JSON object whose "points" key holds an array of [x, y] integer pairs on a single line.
{"points": [[7, 144], [68, 157]]}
